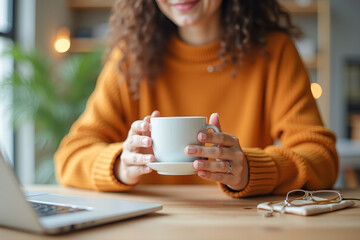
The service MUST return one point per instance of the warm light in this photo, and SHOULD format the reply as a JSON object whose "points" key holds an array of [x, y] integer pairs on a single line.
{"points": [[62, 42], [62, 45], [316, 90]]}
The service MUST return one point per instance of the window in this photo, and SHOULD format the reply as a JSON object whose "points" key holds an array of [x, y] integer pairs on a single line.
{"points": [[6, 66]]}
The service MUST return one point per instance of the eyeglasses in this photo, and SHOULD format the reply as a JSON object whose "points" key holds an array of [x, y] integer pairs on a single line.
{"points": [[296, 198]]}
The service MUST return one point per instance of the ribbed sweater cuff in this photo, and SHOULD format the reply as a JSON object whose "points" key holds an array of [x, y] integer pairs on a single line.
{"points": [[102, 172], [263, 175]]}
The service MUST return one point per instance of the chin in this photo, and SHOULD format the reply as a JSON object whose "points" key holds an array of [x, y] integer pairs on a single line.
{"points": [[186, 21]]}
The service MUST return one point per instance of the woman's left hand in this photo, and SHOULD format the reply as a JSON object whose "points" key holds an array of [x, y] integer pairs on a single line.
{"points": [[230, 167]]}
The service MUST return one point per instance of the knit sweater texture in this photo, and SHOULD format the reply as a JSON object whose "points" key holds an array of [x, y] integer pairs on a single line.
{"points": [[269, 100]]}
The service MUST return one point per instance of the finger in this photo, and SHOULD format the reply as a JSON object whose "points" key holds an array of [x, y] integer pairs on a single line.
{"points": [[147, 119], [212, 166], [224, 178], [139, 127], [147, 133], [137, 141], [155, 113], [220, 138], [132, 158], [135, 171], [214, 120], [212, 152]]}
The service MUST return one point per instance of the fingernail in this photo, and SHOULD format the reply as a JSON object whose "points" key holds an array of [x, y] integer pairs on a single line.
{"points": [[142, 126], [202, 136], [191, 149], [145, 141], [148, 169], [200, 164]]}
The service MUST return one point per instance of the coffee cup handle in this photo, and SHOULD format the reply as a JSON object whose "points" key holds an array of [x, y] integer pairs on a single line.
{"points": [[213, 127]]}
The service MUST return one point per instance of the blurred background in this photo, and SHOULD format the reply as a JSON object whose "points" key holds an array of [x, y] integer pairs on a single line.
{"points": [[50, 57]]}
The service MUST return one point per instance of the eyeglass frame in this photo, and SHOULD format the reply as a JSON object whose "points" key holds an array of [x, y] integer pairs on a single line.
{"points": [[308, 195]]}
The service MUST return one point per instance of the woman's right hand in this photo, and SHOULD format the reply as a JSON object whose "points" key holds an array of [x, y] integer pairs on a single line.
{"points": [[137, 152]]}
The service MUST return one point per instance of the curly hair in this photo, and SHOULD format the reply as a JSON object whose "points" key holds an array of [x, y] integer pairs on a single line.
{"points": [[140, 30]]}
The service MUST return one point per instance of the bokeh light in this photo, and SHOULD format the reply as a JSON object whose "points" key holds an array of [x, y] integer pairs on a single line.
{"points": [[316, 90], [62, 45]]}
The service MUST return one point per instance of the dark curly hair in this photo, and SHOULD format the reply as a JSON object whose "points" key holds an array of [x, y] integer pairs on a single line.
{"points": [[140, 30]]}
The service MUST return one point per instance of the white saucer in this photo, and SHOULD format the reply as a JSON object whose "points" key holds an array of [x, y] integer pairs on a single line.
{"points": [[173, 168]]}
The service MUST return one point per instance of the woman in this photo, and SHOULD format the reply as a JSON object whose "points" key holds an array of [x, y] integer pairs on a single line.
{"points": [[234, 59]]}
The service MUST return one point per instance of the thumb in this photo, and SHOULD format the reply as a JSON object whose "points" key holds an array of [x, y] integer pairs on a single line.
{"points": [[214, 120], [155, 113]]}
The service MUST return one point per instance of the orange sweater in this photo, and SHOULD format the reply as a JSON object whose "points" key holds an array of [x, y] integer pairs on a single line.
{"points": [[269, 99]]}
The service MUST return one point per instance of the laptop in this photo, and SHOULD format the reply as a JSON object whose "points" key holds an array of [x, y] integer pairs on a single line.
{"points": [[55, 213]]}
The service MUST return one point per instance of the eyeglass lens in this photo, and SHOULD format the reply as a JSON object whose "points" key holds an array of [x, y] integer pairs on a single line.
{"points": [[316, 196], [296, 195], [325, 195]]}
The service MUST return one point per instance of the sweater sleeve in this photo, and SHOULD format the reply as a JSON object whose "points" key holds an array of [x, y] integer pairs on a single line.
{"points": [[86, 156], [306, 157]]}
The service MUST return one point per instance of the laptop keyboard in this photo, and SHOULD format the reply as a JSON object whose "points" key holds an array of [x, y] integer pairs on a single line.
{"points": [[44, 209]]}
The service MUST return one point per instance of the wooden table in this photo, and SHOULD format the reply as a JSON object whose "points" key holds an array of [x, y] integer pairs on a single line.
{"points": [[204, 212]]}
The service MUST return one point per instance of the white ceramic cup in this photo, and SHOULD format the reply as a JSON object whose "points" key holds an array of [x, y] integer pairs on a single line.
{"points": [[170, 135]]}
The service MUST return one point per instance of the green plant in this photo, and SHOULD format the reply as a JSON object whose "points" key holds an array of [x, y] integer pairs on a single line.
{"points": [[52, 96]]}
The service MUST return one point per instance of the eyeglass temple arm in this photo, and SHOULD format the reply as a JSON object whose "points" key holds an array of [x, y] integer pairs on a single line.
{"points": [[354, 199]]}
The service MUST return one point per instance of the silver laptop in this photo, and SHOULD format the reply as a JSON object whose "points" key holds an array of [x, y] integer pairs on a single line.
{"points": [[54, 213]]}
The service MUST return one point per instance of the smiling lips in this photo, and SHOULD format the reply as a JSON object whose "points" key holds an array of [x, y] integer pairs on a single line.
{"points": [[184, 6]]}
